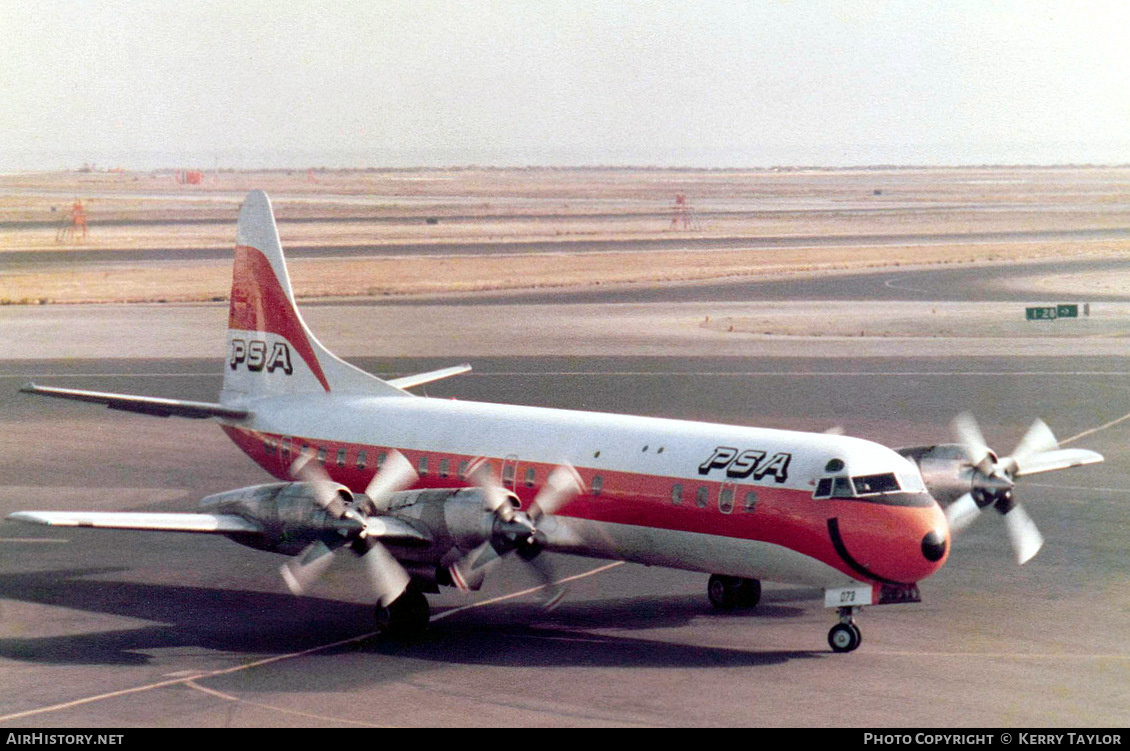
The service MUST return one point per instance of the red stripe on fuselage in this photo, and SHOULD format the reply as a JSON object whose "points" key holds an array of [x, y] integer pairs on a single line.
{"points": [[258, 303], [885, 539]]}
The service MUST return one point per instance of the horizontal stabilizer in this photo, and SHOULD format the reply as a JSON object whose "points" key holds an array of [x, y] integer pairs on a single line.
{"points": [[146, 405], [219, 524], [420, 379]]}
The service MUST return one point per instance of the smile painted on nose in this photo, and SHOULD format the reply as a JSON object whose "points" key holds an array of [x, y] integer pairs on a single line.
{"points": [[911, 545]]}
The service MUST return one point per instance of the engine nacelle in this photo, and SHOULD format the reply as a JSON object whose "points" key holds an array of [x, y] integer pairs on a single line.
{"points": [[456, 519], [945, 469], [287, 513]]}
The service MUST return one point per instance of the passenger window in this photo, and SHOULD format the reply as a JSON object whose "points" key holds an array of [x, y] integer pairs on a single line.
{"points": [[750, 502], [677, 493], [702, 497], [321, 455], [726, 499], [444, 467], [597, 484], [361, 457], [463, 467], [422, 466], [381, 459], [341, 457], [531, 475]]}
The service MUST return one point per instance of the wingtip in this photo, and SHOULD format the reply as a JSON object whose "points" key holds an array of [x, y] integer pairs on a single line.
{"points": [[29, 517]]}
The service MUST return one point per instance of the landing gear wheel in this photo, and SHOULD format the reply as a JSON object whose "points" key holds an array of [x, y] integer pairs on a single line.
{"points": [[729, 592], [406, 617], [844, 637], [722, 591], [749, 593]]}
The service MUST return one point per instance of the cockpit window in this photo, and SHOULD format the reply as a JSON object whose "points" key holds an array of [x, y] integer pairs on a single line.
{"points": [[871, 484], [854, 487]]}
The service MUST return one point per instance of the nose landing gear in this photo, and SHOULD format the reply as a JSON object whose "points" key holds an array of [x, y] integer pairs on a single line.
{"points": [[845, 635]]}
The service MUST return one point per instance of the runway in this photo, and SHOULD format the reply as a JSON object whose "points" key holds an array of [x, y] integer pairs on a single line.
{"points": [[28, 261], [109, 629]]}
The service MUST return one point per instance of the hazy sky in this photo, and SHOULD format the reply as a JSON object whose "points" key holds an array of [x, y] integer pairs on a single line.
{"points": [[589, 82]]}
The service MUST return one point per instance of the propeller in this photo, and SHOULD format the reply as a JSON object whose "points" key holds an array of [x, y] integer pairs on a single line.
{"points": [[387, 576], [994, 478], [516, 531]]}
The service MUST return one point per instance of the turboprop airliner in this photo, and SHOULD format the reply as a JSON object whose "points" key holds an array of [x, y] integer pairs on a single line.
{"points": [[432, 493]]}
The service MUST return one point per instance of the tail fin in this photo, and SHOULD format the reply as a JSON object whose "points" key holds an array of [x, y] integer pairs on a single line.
{"points": [[270, 349]]}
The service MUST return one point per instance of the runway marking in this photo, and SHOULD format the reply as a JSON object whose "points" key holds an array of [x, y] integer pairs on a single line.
{"points": [[27, 376], [531, 590], [197, 676], [33, 540], [811, 373], [589, 251], [889, 284], [636, 373], [282, 710], [1010, 656], [1077, 487], [1092, 431]]}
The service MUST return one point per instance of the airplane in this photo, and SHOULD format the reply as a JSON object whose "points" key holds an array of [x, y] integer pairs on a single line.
{"points": [[433, 492]]}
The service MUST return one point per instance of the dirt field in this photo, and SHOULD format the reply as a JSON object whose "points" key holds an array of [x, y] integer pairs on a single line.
{"points": [[934, 210]]}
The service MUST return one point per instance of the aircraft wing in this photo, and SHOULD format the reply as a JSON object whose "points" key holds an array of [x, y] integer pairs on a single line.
{"points": [[1049, 461], [220, 524], [387, 528], [420, 379], [147, 405]]}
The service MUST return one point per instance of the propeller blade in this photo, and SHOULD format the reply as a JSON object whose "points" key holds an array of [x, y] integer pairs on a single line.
{"points": [[1038, 440], [1022, 533], [396, 473], [554, 592], [968, 434], [563, 484], [306, 568], [962, 512], [495, 498], [388, 577], [326, 496], [469, 571]]}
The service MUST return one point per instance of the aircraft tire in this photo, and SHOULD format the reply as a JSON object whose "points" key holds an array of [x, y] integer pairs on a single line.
{"points": [[723, 591], [844, 637], [406, 617], [749, 593]]}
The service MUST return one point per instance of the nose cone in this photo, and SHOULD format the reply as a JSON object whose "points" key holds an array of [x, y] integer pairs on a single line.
{"points": [[934, 546], [932, 535]]}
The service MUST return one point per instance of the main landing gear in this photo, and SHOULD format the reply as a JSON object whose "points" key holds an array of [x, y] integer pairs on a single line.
{"points": [[845, 635], [406, 617], [730, 592]]}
